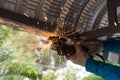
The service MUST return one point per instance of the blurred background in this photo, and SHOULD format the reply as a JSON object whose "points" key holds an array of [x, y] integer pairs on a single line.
{"points": [[24, 56], [27, 56]]}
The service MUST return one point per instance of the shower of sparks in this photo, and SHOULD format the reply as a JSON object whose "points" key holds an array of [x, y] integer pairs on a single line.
{"points": [[115, 23]]}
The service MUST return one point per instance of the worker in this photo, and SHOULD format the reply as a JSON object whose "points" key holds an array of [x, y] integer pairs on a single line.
{"points": [[105, 70]]}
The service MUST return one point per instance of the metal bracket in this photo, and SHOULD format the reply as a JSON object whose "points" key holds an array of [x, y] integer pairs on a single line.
{"points": [[114, 26]]}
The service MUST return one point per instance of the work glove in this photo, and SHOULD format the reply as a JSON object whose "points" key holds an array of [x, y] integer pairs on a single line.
{"points": [[84, 51], [92, 47], [80, 56]]}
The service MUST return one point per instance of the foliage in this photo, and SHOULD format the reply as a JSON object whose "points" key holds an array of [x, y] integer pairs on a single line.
{"points": [[52, 59], [17, 54], [18, 59], [93, 77]]}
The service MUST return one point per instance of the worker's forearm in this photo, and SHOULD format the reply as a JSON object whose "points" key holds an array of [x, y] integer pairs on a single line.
{"points": [[112, 45], [107, 71]]}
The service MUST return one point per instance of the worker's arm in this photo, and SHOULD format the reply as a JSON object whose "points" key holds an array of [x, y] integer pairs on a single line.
{"points": [[112, 45], [107, 71]]}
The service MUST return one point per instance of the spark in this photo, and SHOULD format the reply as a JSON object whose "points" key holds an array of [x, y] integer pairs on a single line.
{"points": [[45, 18], [26, 15], [38, 22], [115, 23]]}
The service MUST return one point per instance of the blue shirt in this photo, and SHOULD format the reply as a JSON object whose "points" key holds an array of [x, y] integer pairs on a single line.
{"points": [[105, 70]]}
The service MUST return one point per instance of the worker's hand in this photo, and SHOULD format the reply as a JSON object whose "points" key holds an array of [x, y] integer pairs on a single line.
{"points": [[84, 51], [79, 57], [93, 47]]}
